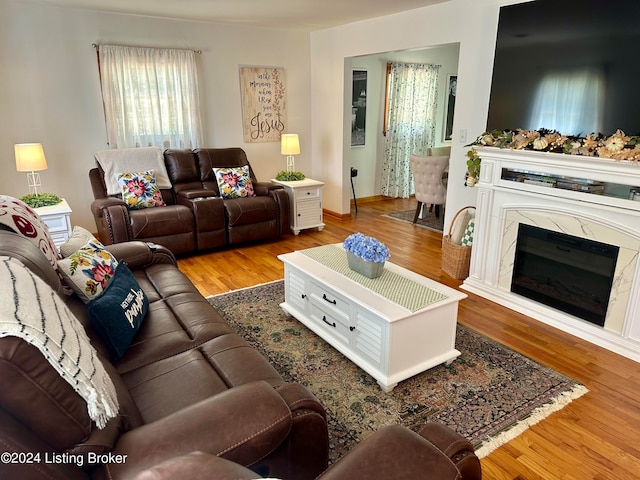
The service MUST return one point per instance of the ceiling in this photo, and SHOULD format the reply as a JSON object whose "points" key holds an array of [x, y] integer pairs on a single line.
{"points": [[306, 15]]}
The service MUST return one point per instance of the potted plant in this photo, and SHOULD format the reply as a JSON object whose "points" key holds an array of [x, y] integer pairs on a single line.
{"points": [[285, 176], [366, 255]]}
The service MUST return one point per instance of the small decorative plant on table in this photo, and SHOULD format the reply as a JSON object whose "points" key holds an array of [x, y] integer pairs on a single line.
{"points": [[35, 200], [285, 176], [366, 255]]}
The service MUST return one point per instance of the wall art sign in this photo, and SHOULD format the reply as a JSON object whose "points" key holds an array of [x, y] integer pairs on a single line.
{"points": [[264, 108]]}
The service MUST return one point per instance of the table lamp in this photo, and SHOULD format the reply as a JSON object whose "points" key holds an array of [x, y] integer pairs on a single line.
{"points": [[290, 146], [30, 158]]}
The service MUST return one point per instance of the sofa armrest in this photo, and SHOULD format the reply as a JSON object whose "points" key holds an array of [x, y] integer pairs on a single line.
{"points": [[242, 424], [281, 197], [454, 446], [138, 254], [197, 466], [393, 452], [264, 188], [112, 220]]}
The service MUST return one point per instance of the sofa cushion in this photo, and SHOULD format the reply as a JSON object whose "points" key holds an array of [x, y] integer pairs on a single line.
{"points": [[118, 313], [234, 182], [250, 210], [140, 190], [89, 270]]}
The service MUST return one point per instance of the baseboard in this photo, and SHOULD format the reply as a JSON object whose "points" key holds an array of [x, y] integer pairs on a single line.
{"points": [[374, 198], [339, 216]]}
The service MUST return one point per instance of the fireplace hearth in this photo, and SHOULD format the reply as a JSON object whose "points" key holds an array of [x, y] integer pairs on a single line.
{"points": [[566, 272]]}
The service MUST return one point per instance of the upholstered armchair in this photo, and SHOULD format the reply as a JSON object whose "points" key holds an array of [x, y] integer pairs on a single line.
{"points": [[428, 174]]}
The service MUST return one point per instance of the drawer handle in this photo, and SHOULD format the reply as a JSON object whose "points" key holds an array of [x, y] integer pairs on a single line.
{"points": [[324, 297], [308, 193], [352, 328], [324, 319]]}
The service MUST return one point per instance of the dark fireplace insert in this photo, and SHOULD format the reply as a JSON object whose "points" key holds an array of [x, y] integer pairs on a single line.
{"points": [[568, 273]]}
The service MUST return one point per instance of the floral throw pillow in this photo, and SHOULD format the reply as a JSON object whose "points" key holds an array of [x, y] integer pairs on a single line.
{"points": [[89, 270], [140, 190], [234, 182]]}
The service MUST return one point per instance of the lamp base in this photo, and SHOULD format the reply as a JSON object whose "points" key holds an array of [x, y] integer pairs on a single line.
{"points": [[33, 179], [290, 163]]}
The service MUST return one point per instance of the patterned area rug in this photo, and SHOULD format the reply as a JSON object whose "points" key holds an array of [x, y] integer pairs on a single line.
{"points": [[488, 394], [429, 220]]}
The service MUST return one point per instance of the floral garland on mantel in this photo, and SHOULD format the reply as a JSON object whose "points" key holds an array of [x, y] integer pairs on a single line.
{"points": [[618, 146]]}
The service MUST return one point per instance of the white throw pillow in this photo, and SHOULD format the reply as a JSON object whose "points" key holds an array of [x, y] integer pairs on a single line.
{"points": [[79, 238], [459, 226]]}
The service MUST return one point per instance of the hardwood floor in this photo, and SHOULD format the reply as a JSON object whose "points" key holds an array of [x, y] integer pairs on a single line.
{"points": [[595, 437]]}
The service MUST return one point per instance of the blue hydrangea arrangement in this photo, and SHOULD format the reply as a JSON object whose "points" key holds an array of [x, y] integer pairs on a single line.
{"points": [[367, 248]]}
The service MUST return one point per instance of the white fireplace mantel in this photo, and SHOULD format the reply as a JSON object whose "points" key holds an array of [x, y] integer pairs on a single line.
{"points": [[611, 217]]}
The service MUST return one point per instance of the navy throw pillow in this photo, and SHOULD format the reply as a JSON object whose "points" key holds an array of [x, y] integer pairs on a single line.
{"points": [[116, 315]]}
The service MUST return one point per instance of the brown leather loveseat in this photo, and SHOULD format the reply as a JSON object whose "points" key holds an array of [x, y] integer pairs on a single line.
{"points": [[196, 217]]}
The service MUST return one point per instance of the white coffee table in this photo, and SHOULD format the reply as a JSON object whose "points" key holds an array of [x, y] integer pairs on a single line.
{"points": [[392, 327]]}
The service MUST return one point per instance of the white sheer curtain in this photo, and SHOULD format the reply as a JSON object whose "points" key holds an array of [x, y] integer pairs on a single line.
{"points": [[150, 97], [570, 102], [413, 94]]}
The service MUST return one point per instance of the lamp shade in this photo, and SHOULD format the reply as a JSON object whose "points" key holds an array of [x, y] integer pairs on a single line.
{"points": [[30, 157], [289, 144]]}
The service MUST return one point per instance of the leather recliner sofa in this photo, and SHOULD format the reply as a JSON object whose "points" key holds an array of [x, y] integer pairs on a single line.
{"points": [[195, 399], [195, 217], [188, 382]]}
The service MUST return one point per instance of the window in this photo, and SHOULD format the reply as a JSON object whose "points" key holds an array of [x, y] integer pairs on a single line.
{"points": [[150, 97], [570, 102]]}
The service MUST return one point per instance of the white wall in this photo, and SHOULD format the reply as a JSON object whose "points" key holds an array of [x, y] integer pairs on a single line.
{"points": [[368, 159], [471, 23], [49, 89]]}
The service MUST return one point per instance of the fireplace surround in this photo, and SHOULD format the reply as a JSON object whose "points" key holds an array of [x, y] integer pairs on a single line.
{"points": [[581, 197]]}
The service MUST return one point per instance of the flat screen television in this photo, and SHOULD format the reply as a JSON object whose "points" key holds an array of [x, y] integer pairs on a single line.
{"points": [[567, 65]]}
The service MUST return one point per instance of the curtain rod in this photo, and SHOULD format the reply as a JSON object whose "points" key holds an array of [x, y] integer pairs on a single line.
{"points": [[97, 45]]}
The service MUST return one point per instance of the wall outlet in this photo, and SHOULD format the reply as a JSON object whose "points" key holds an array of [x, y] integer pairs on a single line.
{"points": [[462, 135], [354, 172]]}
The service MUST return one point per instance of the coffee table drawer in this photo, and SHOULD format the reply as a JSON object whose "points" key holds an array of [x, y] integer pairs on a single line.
{"points": [[327, 297], [332, 322]]}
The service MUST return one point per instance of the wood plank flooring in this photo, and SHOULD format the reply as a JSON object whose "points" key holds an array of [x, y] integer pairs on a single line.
{"points": [[595, 437]]}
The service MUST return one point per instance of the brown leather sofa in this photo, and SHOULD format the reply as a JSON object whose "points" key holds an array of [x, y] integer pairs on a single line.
{"points": [[187, 383], [195, 217]]}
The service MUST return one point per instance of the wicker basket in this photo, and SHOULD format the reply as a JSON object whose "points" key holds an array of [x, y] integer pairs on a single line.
{"points": [[455, 258]]}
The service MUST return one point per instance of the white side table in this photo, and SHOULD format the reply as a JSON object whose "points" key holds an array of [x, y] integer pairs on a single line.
{"points": [[305, 198], [58, 220]]}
